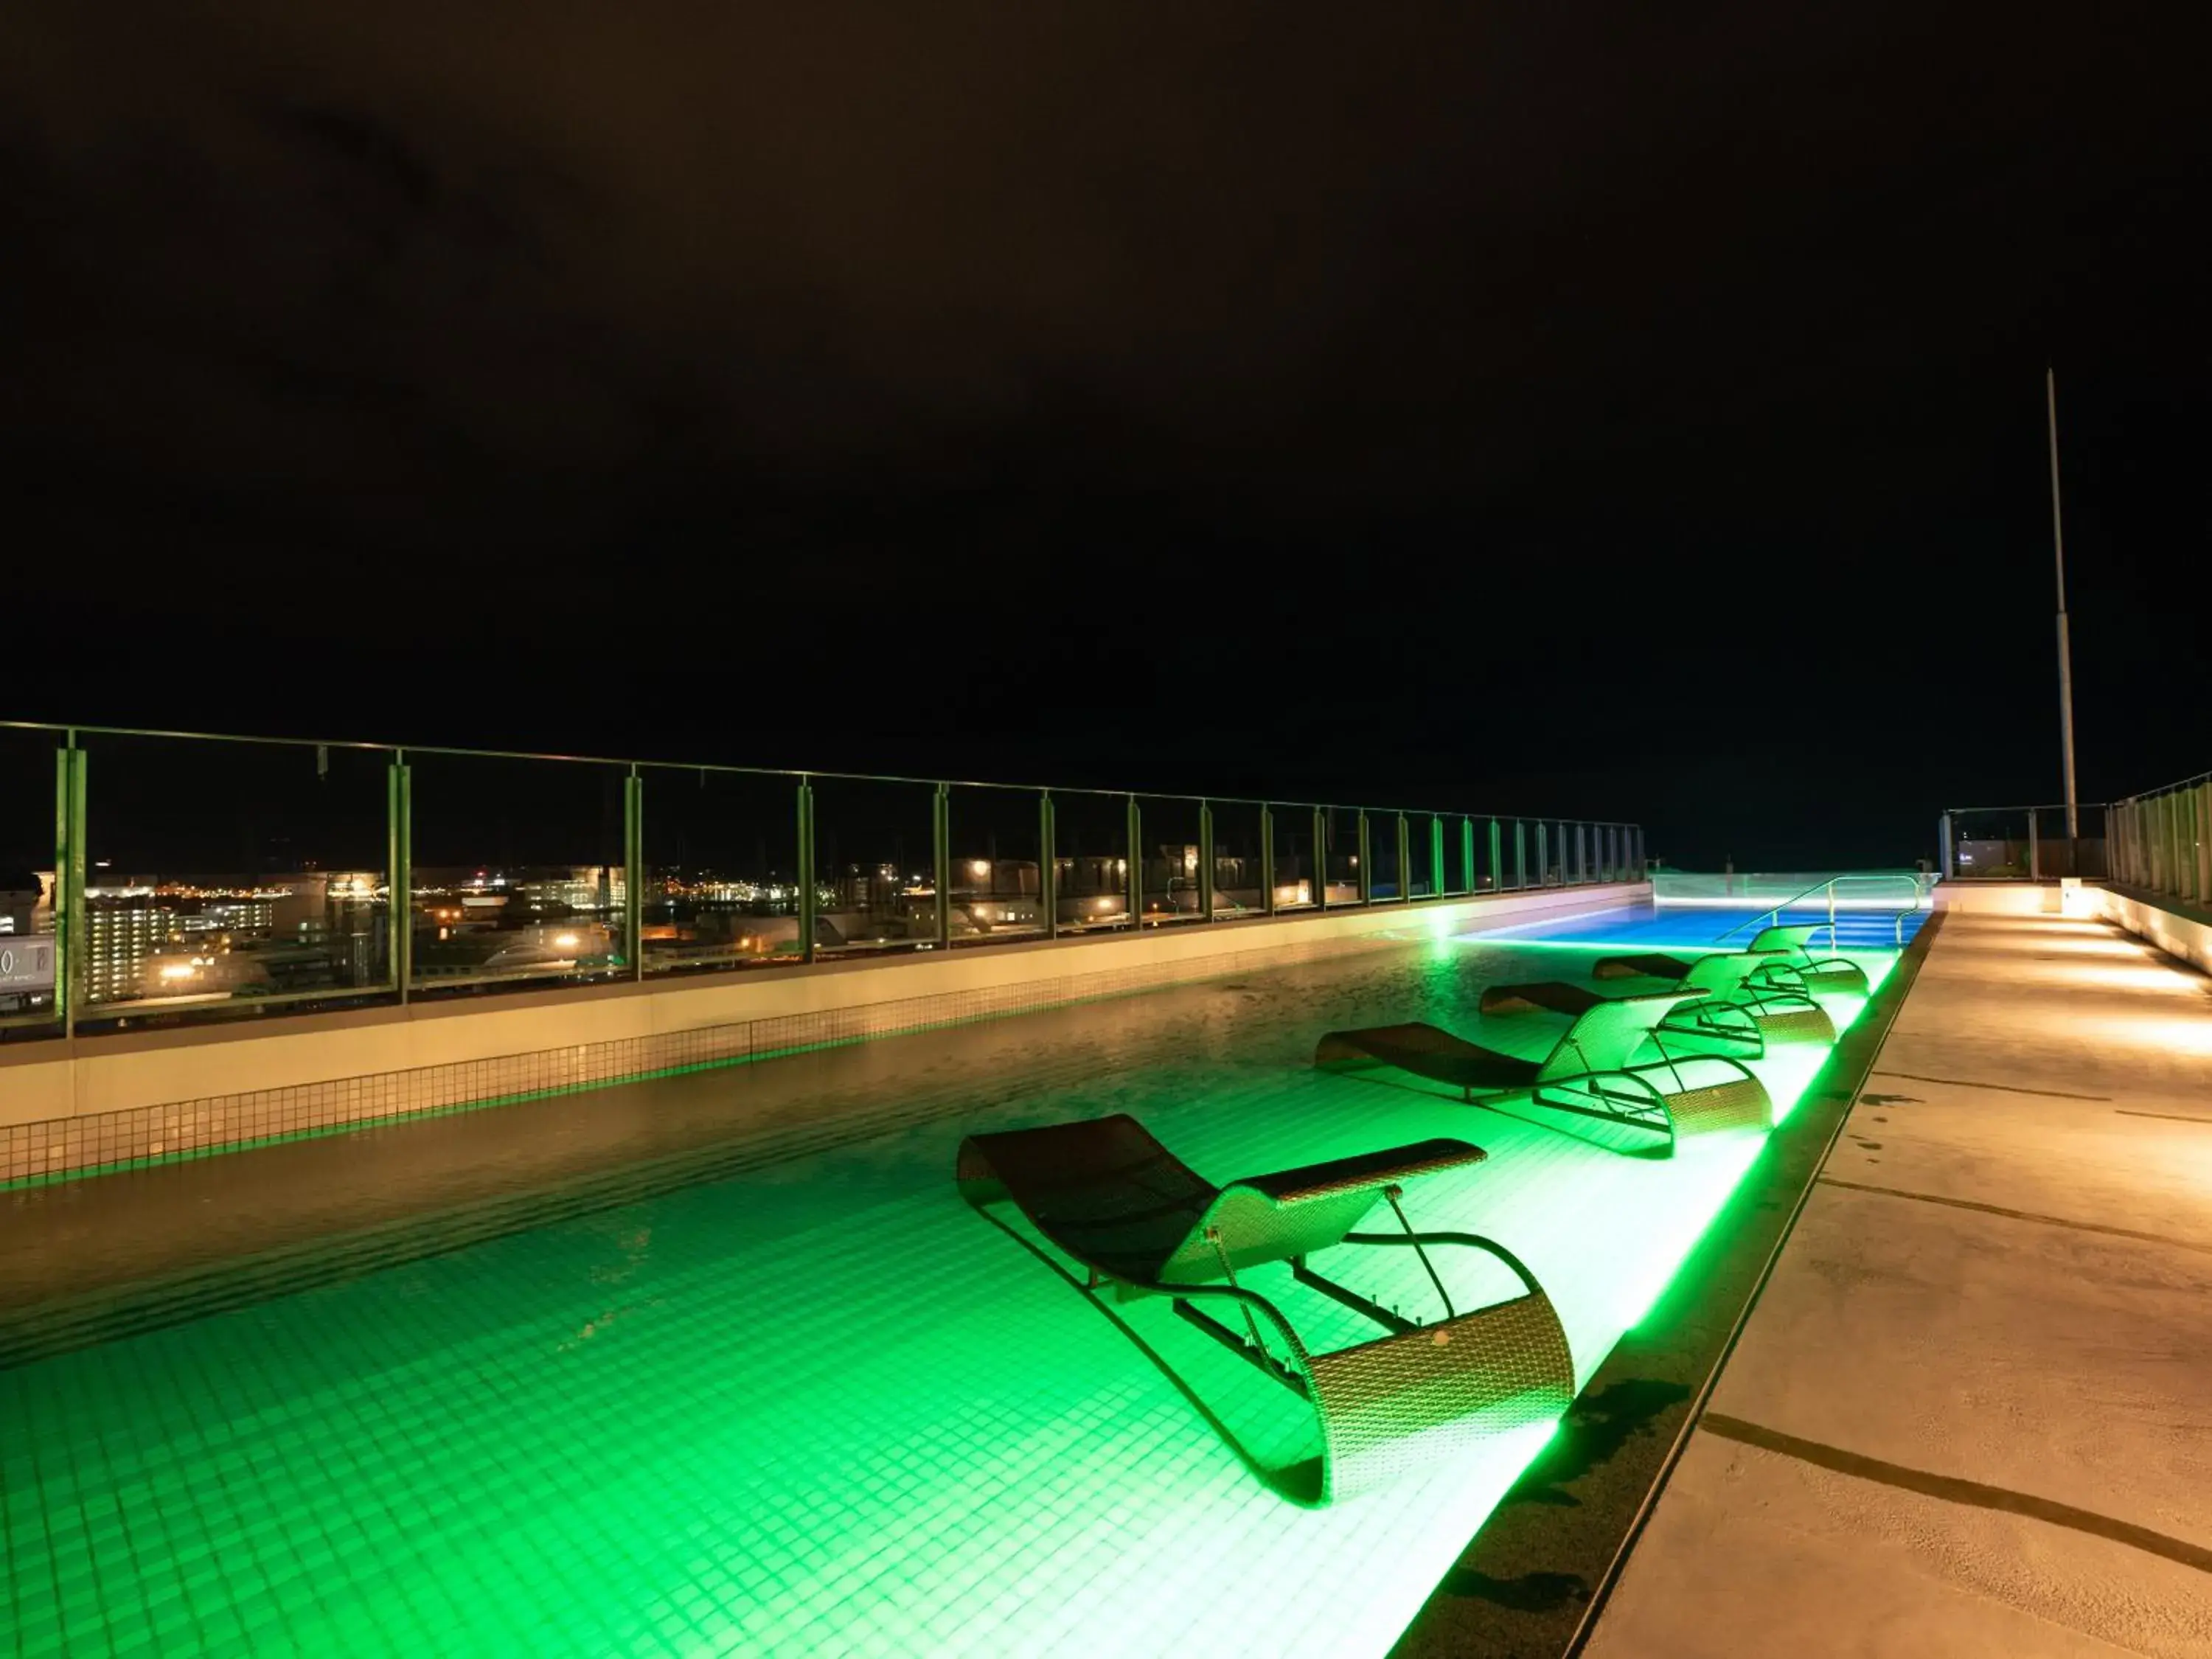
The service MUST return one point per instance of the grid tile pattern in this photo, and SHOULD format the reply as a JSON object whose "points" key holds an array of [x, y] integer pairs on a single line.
{"points": [[58, 1148], [816, 1404]]}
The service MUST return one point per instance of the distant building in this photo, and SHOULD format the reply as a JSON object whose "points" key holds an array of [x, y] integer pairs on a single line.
{"points": [[21, 892], [121, 935]]}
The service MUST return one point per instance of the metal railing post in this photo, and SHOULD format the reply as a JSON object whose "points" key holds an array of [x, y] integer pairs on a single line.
{"points": [[1366, 862], [1404, 860], [2034, 849], [940, 867], [58, 900], [1205, 860], [2204, 842], [1543, 856], [1520, 854], [1136, 871], [399, 878], [809, 901], [69, 866], [1436, 857], [1943, 846], [1320, 858], [1047, 864], [633, 870], [2191, 839], [2170, 806], [1266, 860], [1497, 851]]}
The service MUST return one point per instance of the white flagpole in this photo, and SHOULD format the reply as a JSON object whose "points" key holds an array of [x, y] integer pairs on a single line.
{"points": [[2065, 650]]}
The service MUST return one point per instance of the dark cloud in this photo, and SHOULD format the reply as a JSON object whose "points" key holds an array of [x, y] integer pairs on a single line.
{"points": [[1424, 382]]}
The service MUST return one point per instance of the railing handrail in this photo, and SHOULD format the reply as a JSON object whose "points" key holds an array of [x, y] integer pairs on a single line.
{"points": [[808, 773], [1773, 917], [1571, 853], [2032, 806], [2170, 788]]}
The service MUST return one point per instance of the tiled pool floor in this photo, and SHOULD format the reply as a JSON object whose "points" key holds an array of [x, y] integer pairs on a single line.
{"points": [[817, 1406]]}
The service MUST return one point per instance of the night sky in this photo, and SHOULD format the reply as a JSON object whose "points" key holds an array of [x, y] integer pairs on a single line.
{"points": [[1623, 410]]}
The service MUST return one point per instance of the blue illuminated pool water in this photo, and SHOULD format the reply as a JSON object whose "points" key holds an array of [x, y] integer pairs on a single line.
{"points": [[1711, 927]]}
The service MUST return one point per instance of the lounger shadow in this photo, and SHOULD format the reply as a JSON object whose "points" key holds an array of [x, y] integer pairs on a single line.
{"points": [[1789, 945], [1752, 997], [1592, 1071], [1138, 1219]]}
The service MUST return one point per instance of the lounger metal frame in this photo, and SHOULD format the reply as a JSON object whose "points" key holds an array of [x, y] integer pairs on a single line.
{"points": [[1381, 1406], [1605, 1086]]}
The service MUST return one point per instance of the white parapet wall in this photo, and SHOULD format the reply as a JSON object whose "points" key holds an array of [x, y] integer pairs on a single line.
{"points": [[2180, 931], [100, 1100], [2013, 898], [2179, 934]]}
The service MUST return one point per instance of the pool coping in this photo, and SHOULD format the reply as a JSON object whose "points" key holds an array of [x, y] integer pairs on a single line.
{"points": [[1534, 1560]]}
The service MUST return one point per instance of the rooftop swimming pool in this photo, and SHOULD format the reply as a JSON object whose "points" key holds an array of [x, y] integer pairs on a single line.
{"points": [[811, 1401]]}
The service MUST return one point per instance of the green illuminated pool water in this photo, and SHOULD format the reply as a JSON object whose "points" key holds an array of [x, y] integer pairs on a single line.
{"points": [[819, 1408]]}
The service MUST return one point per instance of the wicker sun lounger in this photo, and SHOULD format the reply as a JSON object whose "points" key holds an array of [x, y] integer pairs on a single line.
{"points": [[1752, 997], [1136, 1217], [1790, 963], [1830, 973], [1596, 1069]]}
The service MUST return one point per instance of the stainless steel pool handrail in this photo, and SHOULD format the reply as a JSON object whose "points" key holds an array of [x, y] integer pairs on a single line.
{"points": [[1773, 918]]}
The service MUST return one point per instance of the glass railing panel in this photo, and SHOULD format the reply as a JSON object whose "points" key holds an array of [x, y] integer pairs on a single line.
{"points": [[29, 961], [1988, 844], [875, 849], [1425, 855], [1341, 865], [721, 869], [1240, 880], [2051, 853], [1171, 846], [2092, 852], [224, 876], [1090, 860], [1455, 875], [519, 871], [996, 865], [1296, 867], [1385, 879]]}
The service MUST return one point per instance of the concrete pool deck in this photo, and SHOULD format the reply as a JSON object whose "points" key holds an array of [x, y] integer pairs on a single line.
{"points": [[1972, 1410]]}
